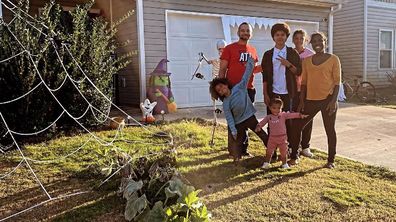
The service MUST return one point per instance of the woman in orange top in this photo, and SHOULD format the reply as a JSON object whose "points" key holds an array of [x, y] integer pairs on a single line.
{"points": [[321, 77]]}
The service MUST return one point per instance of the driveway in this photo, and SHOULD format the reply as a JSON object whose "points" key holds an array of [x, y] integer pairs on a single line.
{"points": [[365, 133]]}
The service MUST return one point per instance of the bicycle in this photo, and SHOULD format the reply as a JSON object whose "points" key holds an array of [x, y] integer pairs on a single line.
{"points": [[363, 90]]}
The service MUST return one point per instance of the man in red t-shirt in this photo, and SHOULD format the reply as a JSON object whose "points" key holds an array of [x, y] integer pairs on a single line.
{"points": [[232, 65]]}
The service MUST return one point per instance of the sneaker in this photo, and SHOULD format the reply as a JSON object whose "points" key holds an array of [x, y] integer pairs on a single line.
{"points": [[293, 162], [266, 165], [285, 166], [307, 153], [247, 155], [330, 165]]}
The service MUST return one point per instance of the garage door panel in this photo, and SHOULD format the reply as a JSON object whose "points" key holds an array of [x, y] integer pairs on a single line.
{"points": [[204, 26], [201, 45], [181, 95], [198, 98], [190, 34], [180, 72], [178, 48], [177, 25]]}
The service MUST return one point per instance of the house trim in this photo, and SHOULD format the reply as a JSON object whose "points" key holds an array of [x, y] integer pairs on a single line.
{"points": [[220, 15], [330, 26], [392, 49], [383, 5], [142, 51]]}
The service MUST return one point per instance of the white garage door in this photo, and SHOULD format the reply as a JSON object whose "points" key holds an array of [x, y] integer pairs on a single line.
{"points": [[187, 35]]}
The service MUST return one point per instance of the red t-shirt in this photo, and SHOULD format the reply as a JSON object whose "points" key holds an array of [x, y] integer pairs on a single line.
{"points": [[237, 56]]}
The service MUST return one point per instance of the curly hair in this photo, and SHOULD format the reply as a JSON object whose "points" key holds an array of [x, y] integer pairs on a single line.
{"points": [[214, 83], [280, 27], [321, 34]]}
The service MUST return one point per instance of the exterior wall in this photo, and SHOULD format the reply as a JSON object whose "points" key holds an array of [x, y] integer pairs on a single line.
{"points": [[378, 18], [349, 37], [129, 77], [154, 18]]}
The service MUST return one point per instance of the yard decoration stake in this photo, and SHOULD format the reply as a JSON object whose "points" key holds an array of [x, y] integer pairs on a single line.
{"points": [[160, 89]]}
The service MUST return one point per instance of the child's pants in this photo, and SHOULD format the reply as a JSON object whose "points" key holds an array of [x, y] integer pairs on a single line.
{"points": [[235, 147], [277, 141]]}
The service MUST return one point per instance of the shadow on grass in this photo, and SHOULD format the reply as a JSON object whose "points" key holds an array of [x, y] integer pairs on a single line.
{"points": [[280, 180], [17, 201], [110, 204]]}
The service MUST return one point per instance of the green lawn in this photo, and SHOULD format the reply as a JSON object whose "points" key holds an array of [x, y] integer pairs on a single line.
{"points": [[351, 192]]}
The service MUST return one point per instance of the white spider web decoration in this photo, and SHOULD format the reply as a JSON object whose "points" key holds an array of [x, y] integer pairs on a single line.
{"points": [[27, 161]]}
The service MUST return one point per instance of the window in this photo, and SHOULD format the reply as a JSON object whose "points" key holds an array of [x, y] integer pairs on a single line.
{"points": [[386, 49]]}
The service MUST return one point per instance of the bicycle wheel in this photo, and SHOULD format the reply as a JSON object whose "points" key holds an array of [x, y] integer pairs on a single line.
{"points": [[366, 92], [348, 91]]}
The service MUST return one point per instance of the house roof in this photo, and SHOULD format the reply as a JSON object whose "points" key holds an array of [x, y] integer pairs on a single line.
{"points": [[320, 3]]}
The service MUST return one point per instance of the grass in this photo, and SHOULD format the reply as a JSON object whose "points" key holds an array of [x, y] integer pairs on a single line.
{"points": [[351, 192]]}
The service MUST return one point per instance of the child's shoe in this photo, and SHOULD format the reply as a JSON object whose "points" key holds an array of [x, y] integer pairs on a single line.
{"points": [[266, 165], [285, 166], [307, 153]]}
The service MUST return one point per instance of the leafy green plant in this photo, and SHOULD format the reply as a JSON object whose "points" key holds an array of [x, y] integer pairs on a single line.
{"points": [[92, 43], [153, 192], [187, 207]]}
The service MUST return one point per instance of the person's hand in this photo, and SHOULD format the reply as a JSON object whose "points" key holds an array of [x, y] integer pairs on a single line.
{"points": [[303, 116], [258, 128], [266, 100], [234, 135], [332, 107], [300, 106], [284, 61]]}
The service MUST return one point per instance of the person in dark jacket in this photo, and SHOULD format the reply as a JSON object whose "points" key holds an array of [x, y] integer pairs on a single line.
{"points": [[281, 65]]}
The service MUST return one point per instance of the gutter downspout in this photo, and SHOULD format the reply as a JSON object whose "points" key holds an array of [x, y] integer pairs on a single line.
{"points": [[141, 48], [365, 41], [1, 11], [331, 23]]}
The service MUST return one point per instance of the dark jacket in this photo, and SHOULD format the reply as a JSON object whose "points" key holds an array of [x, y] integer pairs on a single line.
{"points": [[268, 70]]}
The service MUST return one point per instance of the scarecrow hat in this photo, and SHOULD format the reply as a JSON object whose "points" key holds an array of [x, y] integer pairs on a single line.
{"points": [[161, 69]]}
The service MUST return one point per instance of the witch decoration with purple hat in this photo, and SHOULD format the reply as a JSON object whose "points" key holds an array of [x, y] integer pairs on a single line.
{"points": [[160, 89]]}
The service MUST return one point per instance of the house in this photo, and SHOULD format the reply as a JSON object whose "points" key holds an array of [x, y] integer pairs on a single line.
{"points": [[364, 39], [179, 29]]}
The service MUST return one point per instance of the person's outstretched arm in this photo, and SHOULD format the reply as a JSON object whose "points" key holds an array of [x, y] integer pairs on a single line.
{"points": [[262, 123], [230, 118], [294, 115], [247, 74]]}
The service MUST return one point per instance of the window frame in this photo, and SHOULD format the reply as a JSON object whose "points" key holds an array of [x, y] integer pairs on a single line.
{"points": [[392, 49]]}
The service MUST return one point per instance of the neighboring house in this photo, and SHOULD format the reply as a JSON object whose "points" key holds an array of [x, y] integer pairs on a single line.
{"points": [[364, 39], [179, 29]]}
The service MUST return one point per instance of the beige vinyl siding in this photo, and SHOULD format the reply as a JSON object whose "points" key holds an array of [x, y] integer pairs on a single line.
{"points": [[130, 94], [154, 18], [379, 18], [349, 37]]}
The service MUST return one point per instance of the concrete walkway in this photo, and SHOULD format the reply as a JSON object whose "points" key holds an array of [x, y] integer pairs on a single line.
{"points": [[365, 133]]}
